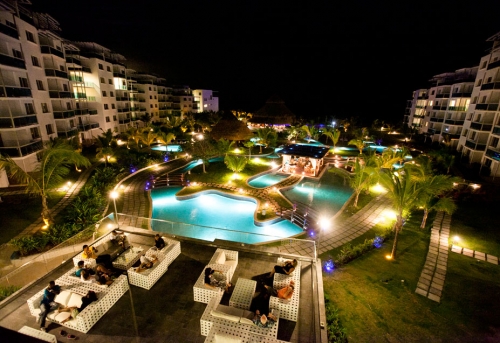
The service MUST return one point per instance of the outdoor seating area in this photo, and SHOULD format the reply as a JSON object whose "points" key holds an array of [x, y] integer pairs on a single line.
{"points": [[289, 308], [105, 245]]}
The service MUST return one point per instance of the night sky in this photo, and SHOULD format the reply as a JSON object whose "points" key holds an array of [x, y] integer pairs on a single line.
{"points": [[323, 58]]}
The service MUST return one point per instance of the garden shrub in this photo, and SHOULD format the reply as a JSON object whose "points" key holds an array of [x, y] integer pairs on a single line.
{"points": [[335, 330], [6, 291], [349, 253]]}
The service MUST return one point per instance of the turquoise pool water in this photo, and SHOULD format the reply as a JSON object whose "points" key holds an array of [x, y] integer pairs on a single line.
{"points": [[266, 180], [199, 216], [327, 196], [169, 148]]}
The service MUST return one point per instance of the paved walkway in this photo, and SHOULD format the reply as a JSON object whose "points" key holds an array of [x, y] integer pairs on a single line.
{"points": [[432, 278], [475, 254]]}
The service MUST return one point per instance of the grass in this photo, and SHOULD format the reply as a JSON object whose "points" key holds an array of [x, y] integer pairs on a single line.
{"points": [[377, 301]]}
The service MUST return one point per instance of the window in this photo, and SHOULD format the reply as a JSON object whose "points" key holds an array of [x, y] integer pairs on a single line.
{"points": [[185, 99], [35, 134], [65, 87], [106, 107], [107, 120], [68, 106], [430, 103], [61, 68], [23, 82], [49, 129], [489, 80], [154, 89], [156, 105], [483, 65], [472, 135], [149, 88], [483, 99], [113, 106], [432, 93], [108, 68], [104, 93], [114, 118], [17, 53], [110, 81], [151, 106], [155, 96], [30, 37], [494, 142], [151, 97], [101, 66], [474, 100], [71, 123], [29, 108], [111, 94], [34, 61], [185, 105], [487, 162], [199, 93], [204, 99], [102, 80], [45, 107], [11, 24], [39, 85], [479, 82]]}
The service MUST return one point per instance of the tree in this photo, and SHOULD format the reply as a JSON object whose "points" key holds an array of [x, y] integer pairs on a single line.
{"points": [[104, 149], [334, 135], [55, 162], [204, 150], [235, 163], [360, 180], [358, 143], [249, 145], [311, 132], [224, 146], [266, 136]]}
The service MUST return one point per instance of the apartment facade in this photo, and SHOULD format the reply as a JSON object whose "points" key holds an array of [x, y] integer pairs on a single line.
{"points": [[480, 138]]}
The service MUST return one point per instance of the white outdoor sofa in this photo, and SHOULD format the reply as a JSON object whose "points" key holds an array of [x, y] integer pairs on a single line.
{"points": [[147, 278], [71, 294], [103, 246], [222, 334], [203, 293], [226, 257], [289, 308], [234, 320]]}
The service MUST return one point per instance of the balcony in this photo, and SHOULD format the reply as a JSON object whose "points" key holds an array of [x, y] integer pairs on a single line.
{"points": [[132, 89], [487, 107], [475, 146], [75, 78], [24, 150], [9, 31], [454, 122], [142, 109], [72, 60], [82, 111], [122, 75], [12, 61], [50, 50], [124, 121], [442, 95], [86, 127], [15, 92], [122, 110], [496, 130], [69, 133], [56, 73], [86, 70], [493, 65], [93, 112], [17, 122], [461, 95], [439, 108], [80, 95], [491, 85], [64, 114], [481, 126], [493, 153], [436, 120], [60, 95], [457, 108], [121, 98]]}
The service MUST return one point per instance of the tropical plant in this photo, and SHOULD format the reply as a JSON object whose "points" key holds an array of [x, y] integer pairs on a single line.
{"points": [[333, 134], [249, 145], [360, 180], [267, 136], [55, 163], [311, 132], [224, 146], [358, 143], [235, 163], [204, 150]]}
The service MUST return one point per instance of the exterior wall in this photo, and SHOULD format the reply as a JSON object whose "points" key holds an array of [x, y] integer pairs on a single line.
{"points": [[206, 100]]}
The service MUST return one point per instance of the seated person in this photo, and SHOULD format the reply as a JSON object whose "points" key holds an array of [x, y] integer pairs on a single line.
{"points": [[92, 271], [283, 293], [146, 263], [99, 278], [159, 242], [119, 238], [86, 300], [287, 268], [264, 321], [216, 279], [91, 252]]}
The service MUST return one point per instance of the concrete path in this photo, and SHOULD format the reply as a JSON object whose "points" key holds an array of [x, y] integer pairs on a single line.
{"points": [[475, 254], [433, 275]]}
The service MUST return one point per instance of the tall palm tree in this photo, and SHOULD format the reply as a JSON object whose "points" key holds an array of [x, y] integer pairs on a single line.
{"points": [[134, 135], [204, 150], [358, 143], [333, 134], [266, 136], [149, 137], [224, 145], [249, 145], [360, 180], [55, 162]]}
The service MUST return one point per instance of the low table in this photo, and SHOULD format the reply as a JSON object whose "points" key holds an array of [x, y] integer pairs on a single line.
{"points": [[243, 294], [43, 336], [128, 258]]}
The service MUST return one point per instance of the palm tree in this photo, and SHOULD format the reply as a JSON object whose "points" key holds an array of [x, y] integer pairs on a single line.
{"points": [[204, 150], [235, 163], [249, 145], [149, 137], [358, 143], [334, 135], [55, 162], [134, 135], [360, 180], [266, 136], [104, 149], [224, 145]]}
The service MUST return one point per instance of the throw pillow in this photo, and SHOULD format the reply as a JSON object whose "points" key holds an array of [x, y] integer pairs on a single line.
{"points": [[63, 297], [225, 316], [62, 316], [244, 320], [75, 300], [222, 338], [222, 258]]}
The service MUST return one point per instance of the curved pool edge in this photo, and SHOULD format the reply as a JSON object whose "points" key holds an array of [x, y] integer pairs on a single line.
{"points": [[259, 175], [256, 221]]}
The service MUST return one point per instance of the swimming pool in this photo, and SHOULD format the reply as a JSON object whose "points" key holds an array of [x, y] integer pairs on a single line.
{"points": [[169, 148], [213, 216], [266, 180]]}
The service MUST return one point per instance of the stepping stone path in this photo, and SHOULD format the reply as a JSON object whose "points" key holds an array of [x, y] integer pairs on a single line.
{"points": [[432, 278], [475, 254]]}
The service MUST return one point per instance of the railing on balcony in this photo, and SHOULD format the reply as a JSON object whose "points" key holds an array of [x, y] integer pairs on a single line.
{"points": [[82, 111], [75, 78], [86, 70], [67, 133], [493, 65], [493, 153], [475, 146], [15, 92], [93, 112], [12, 61], [439, 107], [461, 95], [18, 121], [9, 31], [124, 121], [86, 127], [481, 126], [80, 95], [122, 75], [121, 98], [60, 95], [121, 110], [50, 50], [442, 95], [487, 107], [437, 120], [454, 122], [491, 85], [64, 114], [496, 130], [73, 61], [56, 73], [24, 150], [457, 108]]}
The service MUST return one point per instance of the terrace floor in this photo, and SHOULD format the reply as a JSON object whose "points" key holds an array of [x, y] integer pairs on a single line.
{"points": [[167, 312]]}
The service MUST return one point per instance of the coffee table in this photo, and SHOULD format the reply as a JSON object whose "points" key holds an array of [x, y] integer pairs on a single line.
{"points": [[128, 258], [243, 294]]}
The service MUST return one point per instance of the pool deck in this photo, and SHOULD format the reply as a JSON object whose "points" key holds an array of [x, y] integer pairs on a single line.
{"points": [[167, 312]]}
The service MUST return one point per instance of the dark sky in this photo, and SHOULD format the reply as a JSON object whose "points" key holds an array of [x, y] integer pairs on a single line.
{"points": [[323, 58]]}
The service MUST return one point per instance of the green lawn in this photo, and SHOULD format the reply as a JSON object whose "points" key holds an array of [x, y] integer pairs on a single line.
{"points": [[377, 301]]}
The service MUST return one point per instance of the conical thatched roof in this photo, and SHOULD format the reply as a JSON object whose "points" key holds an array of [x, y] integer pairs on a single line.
{"points": [[273, 112], [231, 129]]}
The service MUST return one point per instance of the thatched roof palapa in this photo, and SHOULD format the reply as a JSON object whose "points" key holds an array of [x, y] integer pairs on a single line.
{"points": [[230, 128], [274, 112]]}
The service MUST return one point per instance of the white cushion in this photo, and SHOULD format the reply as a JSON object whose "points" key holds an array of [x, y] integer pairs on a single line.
{"points": [[222, 338], [225, 316], [62, 316], [75, 300], [232, 264], [244, 320], [221, 259], [63, 298]]}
